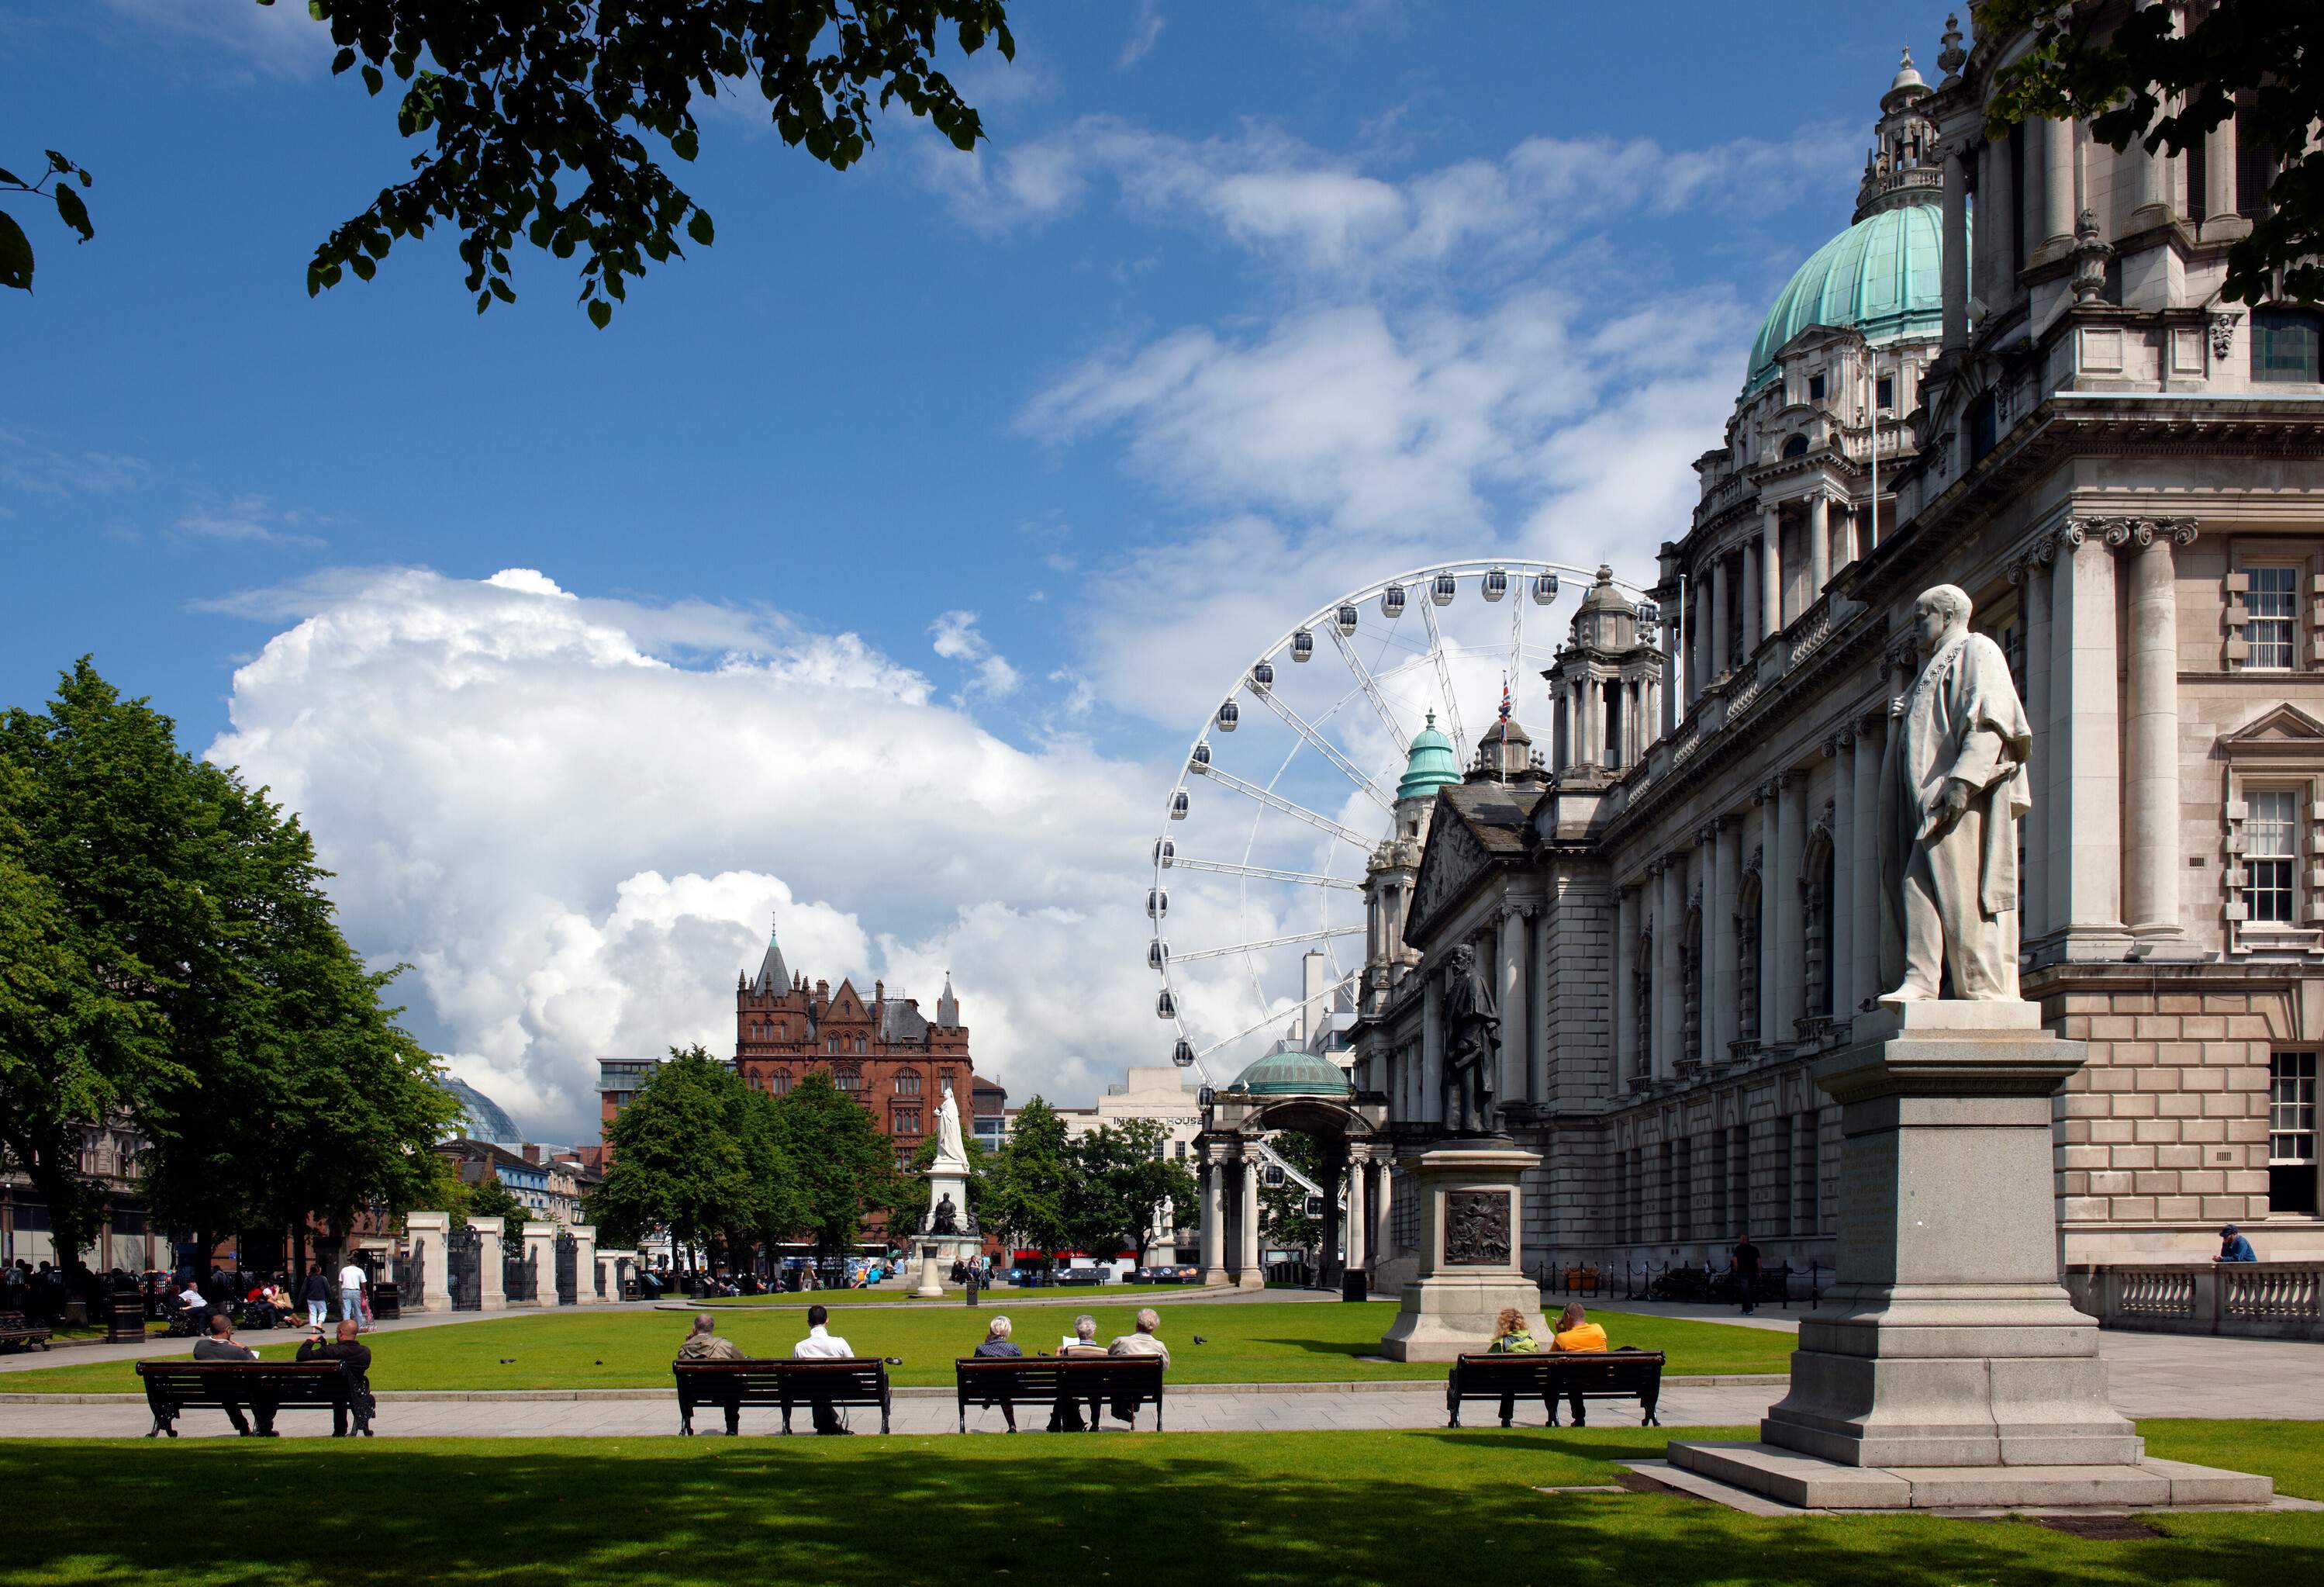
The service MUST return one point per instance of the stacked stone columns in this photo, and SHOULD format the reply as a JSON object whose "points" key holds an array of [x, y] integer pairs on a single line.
{"points": [[1358, 1232], [1771, 571], [1719, 641], [1699, 642], [2219, 216], [2086, 770], [540, 1250], [492, 1294], [2151, 859], [1214, 1228], [1819, 546], [2032, 575], [1252, 1274], [2058, 183], [1955, 269], [1752, 620], [585, 1264], [425, 1232]]}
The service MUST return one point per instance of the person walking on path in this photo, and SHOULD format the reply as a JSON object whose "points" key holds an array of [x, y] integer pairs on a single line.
{"points": [[2235, 1248], [822, 1345], [351, 1288], [316, 1292], [1746, 1273]]}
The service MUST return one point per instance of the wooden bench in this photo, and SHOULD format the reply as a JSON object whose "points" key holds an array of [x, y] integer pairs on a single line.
{"points": [[1574, 1376], [1128, 1380], [172, 1386], [789, 1383], [16, 1334]]}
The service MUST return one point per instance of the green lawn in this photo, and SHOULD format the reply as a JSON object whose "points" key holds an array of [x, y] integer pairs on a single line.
{"points": [[1417, 1508], [1244, 1342], [893, 1295]]}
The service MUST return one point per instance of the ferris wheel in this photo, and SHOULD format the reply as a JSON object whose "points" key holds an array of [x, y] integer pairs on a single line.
{"points": [[1290, 784]]}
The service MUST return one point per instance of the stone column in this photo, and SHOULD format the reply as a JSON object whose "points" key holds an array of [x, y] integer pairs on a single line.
{"points": [[1698, 648], [1864, 923], [1720, 641], [1626, 1007], [1997, 204], [425, 1232], [2151, 846], [1333, 1229], [495, 1295], [1670, 932], [1752, 618], [1791, 919], [1771, 841], [584, 1265], [1383, 1219], [1723, 1003], [1847, 546], [1432, 1050], [2058, 139], [2031, 574], [1672, 615], [1517, 1054], [539, 1250], [2085, 837], [1357, 1235], [1839, 962], [1955, 270], [2219, 216], [1819, 546], [1771, 571], [1209, 1171], [1252, 1273]]}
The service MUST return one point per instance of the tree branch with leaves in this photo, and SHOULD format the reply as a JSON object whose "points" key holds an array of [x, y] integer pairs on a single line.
{"points": [[15, 247]]}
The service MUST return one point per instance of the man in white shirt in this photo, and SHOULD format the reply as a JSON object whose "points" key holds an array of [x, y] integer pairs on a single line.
{"points": [[351, 1283], [822, 1345]]}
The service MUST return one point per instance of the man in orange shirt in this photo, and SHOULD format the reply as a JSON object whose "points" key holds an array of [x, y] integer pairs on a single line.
{"points": [[1575, 1331]]}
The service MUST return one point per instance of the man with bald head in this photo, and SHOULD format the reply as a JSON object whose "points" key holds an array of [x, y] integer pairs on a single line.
{"points": [[1953, 787]]}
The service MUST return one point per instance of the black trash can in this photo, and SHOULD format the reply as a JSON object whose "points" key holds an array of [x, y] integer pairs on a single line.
{"points": [[125, 1317], [1355, 1286]]}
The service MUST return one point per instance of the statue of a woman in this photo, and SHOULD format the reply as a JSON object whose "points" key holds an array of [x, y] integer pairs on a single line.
{"points": [[950, 1152]]}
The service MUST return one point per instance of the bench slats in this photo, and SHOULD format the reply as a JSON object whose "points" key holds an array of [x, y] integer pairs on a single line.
{"points": [[988, 1380], [172, 1386], [784, 1383], [1574, 1376]]}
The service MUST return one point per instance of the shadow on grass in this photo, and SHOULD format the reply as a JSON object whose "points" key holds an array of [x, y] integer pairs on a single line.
{"points": [[1366, 1507]]}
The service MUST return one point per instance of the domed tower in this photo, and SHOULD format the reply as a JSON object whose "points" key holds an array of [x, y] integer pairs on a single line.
{"points": [[1389, 873], [1604, 686]]}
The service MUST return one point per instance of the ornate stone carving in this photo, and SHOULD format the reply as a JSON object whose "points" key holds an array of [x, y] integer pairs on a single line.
{"points": [[1476, 1228], [2223, 334], [1952, 57], [2091, 252]]}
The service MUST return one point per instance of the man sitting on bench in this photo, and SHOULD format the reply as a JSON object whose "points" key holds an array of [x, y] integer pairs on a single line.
{"points": [[822, 1345], [353, 1357], [220, 1346], [1576, 1331], [704, 1345]]}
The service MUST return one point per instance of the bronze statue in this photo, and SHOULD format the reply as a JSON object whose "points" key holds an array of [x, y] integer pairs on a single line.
{"points": [[945, 1218], [1473, 1048]]}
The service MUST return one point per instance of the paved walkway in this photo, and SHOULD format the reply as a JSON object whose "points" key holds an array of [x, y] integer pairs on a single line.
{"points": [[2150, 1375]]}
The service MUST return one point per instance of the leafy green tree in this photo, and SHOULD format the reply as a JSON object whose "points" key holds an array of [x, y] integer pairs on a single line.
{"points": [[15, 247], [1027, 1187], [2136, 78], [489, 1198], [544, 119], [1121, 1186], [844, 1167], [910, 1203], [682, 1156]]}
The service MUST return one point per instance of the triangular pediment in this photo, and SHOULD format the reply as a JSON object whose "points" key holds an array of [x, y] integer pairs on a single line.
{"points": [[2280, 727], [1453, 860], [845, 1003]]}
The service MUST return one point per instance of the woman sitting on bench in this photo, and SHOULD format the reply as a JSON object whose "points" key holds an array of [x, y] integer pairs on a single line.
{"points": [[1512, 1337]]}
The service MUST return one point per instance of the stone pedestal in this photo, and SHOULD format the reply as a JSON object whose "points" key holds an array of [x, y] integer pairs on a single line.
{"points": [[931, 1276], [1471, 1260], [540, 1249], [425, 1232], [491, 1292], [585, 1264], [1946, 1354]]}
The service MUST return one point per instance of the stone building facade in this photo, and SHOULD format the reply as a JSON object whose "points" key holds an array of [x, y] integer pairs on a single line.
{"points": [[2013, 374]]}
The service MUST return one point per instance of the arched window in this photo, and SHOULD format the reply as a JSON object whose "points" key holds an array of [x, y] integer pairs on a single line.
{"points": [[1642, 993], [859, 1044], [779, 1082], [849, 1080], [1797, 446], [908, 1083], [779, 1030], [1747, 954], [831, 1044], [1816, 883], [1692, 966]]}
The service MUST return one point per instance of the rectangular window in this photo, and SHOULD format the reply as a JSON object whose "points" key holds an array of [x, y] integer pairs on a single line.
{"points": [[2273, 604], [2292, 1133], [2270, 834], [1808, 1185], [1884, 393], [848, 1083], [1815, 388], [2286, 345]]}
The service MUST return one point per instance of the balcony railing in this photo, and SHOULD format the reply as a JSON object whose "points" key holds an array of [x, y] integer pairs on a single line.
{"points": [[2256, 1300]]}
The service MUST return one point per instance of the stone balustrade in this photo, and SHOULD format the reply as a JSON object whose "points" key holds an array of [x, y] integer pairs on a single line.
{"points": [[2251, 1300]]}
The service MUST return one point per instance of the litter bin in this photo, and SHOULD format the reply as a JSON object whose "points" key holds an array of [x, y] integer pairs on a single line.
{"points": [[1355, 1286], [386, 1299], [125, 1317]]}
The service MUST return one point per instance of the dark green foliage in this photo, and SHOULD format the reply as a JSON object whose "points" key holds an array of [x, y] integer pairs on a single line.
{"points": [[168, 959], [1026, 1191], [15, 247], [490, 1199], [1120, 1185], [547, 118], [842, 1167], [2137, 79], [696, 1152]]}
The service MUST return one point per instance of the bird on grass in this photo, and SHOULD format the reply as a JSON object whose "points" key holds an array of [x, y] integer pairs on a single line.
{"points": [[1200, 1340]]}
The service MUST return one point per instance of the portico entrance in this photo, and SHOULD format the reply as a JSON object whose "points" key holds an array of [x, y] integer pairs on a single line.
{"points": [[1293, 1089]]}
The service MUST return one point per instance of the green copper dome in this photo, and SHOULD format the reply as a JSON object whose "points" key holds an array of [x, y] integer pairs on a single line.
{"points": [[1292, 1073], [1882, 276], [1431, 766]]}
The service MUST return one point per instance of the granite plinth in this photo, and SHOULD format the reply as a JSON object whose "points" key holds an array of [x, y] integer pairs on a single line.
{"points": [[1806, 1482], [1471, 1256]]}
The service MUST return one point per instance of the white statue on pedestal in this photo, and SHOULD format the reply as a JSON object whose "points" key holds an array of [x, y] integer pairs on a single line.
{"points": [[1953, 788], [951, 1155]]}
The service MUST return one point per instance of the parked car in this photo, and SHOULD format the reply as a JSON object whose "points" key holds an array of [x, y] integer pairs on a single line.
{"points": [[1085, 1274], [1167, 1273]]}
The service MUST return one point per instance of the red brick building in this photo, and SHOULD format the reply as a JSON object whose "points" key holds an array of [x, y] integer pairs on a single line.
{"points": [[883, 1051]]}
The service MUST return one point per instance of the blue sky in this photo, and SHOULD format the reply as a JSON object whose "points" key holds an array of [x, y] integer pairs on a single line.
{"points": [[943, 482]]}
